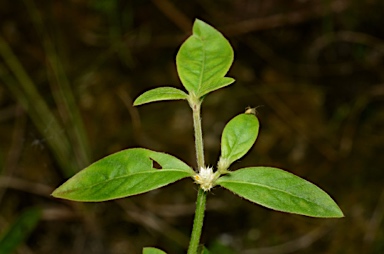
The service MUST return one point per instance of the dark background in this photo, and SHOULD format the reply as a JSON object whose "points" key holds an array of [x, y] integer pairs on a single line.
{"points": [[69, 71]]}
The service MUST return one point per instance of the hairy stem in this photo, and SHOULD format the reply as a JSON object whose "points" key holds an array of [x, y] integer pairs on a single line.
{"points": [[198, 135], [201, 195], [198, 222]]}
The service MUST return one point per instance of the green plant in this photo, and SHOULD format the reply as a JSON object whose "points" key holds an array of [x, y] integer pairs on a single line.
{"points": [[202, 63]]}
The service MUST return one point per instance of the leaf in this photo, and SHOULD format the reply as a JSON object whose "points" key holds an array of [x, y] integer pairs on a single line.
{"points": [[19, 230], [238, 137], [215, 85], [160, 94], [151, 250], [282, 191], [125, 173], [204, 59]]}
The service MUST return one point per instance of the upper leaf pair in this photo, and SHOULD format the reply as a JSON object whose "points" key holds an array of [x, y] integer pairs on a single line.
{"points": [[202, 63]]}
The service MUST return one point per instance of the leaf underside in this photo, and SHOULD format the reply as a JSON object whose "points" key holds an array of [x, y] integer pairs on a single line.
{"points": [[125, 173], [280, 190]]}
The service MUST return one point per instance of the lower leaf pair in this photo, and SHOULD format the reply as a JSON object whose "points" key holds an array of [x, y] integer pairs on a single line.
{"points": [[131, 172]]}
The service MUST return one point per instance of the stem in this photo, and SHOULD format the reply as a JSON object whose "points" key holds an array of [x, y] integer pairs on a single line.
{"points": [[201, 195], [198, 135], [197, 222]]}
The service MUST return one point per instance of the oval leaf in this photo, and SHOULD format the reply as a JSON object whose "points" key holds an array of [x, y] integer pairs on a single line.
{"points": [[151, 250], [204, 59], [238, 137], [282, 191], [125, 173], [160, 94]]}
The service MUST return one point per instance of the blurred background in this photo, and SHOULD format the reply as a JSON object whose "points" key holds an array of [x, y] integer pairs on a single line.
{"points": [[69, 71]]}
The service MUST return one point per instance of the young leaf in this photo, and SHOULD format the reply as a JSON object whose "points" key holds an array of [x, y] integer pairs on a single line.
{"points": [[125, 173], [160, 94], [282, 191], [19, 230], [151, 250], [238, 137], [204, 59]]}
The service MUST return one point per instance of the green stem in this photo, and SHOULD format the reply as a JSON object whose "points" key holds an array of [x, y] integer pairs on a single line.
{"points": [[201, 195], [198, 222], [198, 135]]}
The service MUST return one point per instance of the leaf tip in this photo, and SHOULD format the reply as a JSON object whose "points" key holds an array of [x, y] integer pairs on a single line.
{"points": [[136, 103], [55, 194], [338, 213], [139, 101]]}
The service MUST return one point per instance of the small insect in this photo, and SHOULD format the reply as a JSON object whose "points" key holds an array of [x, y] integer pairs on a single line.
{"points": [[253, 111]]}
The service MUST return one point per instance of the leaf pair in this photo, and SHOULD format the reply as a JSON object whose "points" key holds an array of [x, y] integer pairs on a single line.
{"points": [[270, 187], [132, 171], [202, 63]]}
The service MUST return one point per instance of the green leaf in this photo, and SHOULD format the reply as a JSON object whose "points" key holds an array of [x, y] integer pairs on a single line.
{"points": [[204, 59], [282, 191], [125, 173], [151, 250], [215, 85], [238, 137], [19, 230], [160, 94]]}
